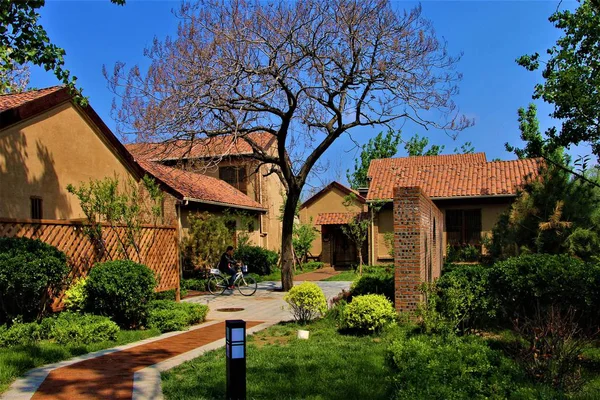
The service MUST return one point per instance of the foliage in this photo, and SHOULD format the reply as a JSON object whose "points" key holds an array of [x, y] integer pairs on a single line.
{"points": [[465, 298], [529, 125], [307, 301], [374, 282], [312, 265], [415, 146], [304, 235], [23, 40], [434, 367], [388, 239], [126, 205], [583, 243], [368, 313], [378, 147], [170, 294], [324, 69], [69, 327], [465, 148], [260, 261], [19, 333], [571, 77], [76, 296], [194, 284], [208, 237], [468, 253], [523, 285], [14, 79], [356, 230], [195, 313], [31, 272], [553, 345], [167, 320], [120, 290]]}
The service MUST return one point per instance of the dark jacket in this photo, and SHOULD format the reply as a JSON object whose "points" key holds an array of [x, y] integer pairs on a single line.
{"points": [[226, 262]]}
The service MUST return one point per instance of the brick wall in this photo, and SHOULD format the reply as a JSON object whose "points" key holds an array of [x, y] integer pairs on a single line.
{"points": [[418, 246]]}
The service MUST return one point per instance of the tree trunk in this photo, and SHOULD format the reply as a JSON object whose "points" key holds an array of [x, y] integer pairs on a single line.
{"points": [[287, 251], [360, 260]]}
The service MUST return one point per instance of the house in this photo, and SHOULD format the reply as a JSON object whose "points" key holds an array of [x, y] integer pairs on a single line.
{"points": [[228, 159], [328, 210], [470, 192], [48, 141]]}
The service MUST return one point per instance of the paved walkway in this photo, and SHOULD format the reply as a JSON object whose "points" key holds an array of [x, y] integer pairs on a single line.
{"points": [[317, 275], [133, 371]]}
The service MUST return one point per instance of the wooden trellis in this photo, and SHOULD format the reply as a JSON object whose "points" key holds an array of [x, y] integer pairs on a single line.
{"points": [[158, 247]]}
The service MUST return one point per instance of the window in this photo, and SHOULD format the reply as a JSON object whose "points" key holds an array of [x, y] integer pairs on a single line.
{"points": [[36, 207], [235, 176], [463, 227]]}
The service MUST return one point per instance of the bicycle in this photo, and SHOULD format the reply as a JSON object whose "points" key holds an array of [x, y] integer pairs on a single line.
{"points": [[245, 284]]}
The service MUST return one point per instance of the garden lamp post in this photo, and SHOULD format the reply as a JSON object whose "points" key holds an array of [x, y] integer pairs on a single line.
{"points": [[235, 346]]}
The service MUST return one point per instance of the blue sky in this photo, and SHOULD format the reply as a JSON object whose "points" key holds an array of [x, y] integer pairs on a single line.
{"points": [[491, 34]]}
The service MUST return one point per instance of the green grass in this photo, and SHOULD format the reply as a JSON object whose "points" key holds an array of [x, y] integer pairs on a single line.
{"points": [[275, 275], [279, 366], [15, 361], [343, 276]]}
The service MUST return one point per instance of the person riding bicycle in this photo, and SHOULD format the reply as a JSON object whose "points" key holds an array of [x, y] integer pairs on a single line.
{"points": [[228, 264]]}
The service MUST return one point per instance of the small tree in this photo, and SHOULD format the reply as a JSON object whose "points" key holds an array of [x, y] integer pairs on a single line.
{"points": [[356, 230], [128, 205], [415, 146], [208, 237], [378, 147], [304, 235]]}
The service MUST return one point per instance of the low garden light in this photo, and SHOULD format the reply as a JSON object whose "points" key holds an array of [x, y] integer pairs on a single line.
{"points": [[235, 346]]}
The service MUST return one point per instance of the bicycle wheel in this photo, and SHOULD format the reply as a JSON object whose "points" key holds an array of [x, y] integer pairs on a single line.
{"points": [[246, 285], [217, 284]]}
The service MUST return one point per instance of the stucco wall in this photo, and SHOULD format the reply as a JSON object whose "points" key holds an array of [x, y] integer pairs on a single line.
{"points": [[41, 156], [329, 202]]}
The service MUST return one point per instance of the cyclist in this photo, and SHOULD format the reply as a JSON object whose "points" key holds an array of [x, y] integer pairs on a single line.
{"points": [[228, 264]]}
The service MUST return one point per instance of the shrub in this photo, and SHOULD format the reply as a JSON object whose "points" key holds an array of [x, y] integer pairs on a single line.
{"points": [[583, 243], [260, 261], [167, 320], [368, 313], [307, 301], [432, 367], [120, 290], [170, 294], [31, 272], [312, 265], [20, 333], [196, 313], [194, 284], [376, 282], [464, 297], [76, 296], [69, 327], [522, 284]]}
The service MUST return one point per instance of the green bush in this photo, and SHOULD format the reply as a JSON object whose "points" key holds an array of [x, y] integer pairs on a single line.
{"points": [[76, 296], [167, 320], [377, 281], [583, 243], [524, 285], [464, 297], [312, 265], [19, 333], [194, 284], [431, 367], [195, 313], [260, 261], [69, 328], [170, 294], [368, 313], [307, 301], [30, 270], [120, 290]]}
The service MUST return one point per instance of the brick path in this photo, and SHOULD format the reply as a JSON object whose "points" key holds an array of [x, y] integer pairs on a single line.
{"points": [[111, 376], [317, 275]]}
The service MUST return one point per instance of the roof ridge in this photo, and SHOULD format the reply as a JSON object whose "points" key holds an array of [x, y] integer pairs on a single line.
{"points": [[32, 90]]}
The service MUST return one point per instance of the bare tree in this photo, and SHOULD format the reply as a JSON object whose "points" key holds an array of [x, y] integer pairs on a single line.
{"points": [[304, 71]]}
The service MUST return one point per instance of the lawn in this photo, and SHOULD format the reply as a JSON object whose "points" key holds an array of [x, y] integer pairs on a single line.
{"points": [[275, 275], [15, 361], [282, 367], [346, 276]]}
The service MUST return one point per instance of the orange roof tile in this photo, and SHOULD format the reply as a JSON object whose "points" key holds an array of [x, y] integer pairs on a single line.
{"points": [[12, 100], [338, 218], [199, 148], [194, 186], [452, 179]]}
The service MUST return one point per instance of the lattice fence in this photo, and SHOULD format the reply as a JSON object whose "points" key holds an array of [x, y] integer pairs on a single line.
{"points": [[158, 247]]}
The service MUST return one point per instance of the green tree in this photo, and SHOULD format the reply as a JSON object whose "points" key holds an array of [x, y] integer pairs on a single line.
{"points": [[304, 235], [466, 148], [572, 77], [529, 126], [208, 237], [378, 147], [415, 146], [119, 205], [23, 40]]}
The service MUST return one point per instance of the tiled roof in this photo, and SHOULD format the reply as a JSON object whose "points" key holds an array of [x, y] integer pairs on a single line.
{"points": [[333, 184], [338, 218], [199, 148], [8, 101], [195, 186], [441, 180]]}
